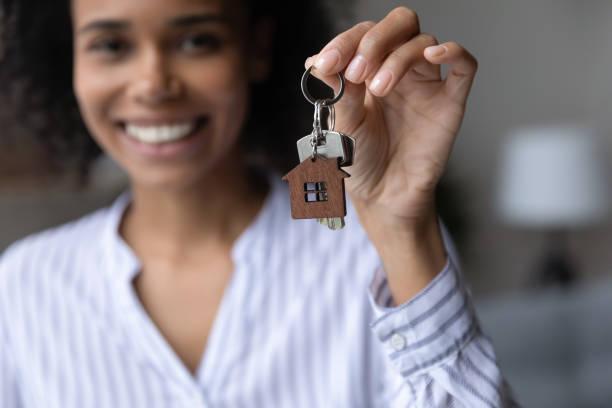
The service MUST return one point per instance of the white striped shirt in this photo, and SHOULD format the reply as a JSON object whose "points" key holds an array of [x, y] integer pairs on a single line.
{"points": [[303, 322]]}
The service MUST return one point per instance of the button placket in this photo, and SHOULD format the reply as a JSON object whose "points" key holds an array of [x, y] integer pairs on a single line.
{"points": [[397, 342]]}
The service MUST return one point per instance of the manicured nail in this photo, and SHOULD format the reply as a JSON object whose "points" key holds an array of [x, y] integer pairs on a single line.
{"points": [[327, 61], [436, 50], [381, 81], [356, 69]]}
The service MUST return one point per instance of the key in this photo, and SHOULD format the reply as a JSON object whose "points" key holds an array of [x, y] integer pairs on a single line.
{"points": [[343, 146], [335, 223], [333, 144]]}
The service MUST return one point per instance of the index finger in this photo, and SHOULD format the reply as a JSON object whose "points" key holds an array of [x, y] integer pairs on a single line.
{"points": [[338, 52]]}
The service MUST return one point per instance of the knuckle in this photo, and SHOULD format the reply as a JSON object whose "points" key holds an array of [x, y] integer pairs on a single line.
{"points": [[405, 14], [365, 25], [458, 49], [342, 43], [453, 45], [370, 40], [348, 40], [429, 39]]}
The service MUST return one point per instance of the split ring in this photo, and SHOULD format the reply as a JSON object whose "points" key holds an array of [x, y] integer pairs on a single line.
{"points": [[326, 102]]}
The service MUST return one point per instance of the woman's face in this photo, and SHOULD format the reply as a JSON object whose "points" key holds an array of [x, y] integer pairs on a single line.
{"points": [[163, 84]]}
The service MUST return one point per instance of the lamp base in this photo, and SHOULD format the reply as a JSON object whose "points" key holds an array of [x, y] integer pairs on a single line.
{"points": [[556, 267]]}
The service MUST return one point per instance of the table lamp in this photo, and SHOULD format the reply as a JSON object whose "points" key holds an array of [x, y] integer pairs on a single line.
{"points": [[554, 179]]}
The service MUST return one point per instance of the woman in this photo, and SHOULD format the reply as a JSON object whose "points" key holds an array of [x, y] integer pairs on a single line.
{"points": [[195, 288]]}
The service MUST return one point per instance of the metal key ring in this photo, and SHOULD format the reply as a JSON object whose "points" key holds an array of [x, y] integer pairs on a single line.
{"points": [[331, 118], [326, 102]]}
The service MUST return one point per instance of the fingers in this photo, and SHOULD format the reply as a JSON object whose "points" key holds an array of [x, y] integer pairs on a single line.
{"points": [[359, 52], [408, 57], [463, 67], [362, 49], [379, 55], [396, 28], [335, 56]]}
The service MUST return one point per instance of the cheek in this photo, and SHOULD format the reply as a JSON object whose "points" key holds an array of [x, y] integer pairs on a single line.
{"points": [[94, 92], [224, 83], [225, 88]]}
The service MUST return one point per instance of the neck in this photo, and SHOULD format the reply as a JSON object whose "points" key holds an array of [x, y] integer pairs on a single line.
{"points": [[215, 211]]}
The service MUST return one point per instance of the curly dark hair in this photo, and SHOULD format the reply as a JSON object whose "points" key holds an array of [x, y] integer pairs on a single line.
{"points": [[36, 78]]}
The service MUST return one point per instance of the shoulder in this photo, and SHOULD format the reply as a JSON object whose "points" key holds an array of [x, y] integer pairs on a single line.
{"points": [[52, 273], [57, 251]]}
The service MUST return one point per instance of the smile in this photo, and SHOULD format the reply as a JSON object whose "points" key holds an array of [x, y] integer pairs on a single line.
{"points": [[161, 133]]}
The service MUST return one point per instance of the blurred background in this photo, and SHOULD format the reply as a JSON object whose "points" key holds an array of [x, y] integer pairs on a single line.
{"points": [[527, 192]]}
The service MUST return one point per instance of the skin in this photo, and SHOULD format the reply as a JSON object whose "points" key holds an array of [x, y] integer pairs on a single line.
{"points": [[147, 68]]}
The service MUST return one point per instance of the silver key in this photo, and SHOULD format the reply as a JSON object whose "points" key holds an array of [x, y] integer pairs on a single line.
{"points": [[332, 223], [335, 223], [332, 144]]}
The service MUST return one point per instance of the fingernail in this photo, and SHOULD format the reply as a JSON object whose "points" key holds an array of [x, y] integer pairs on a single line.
{"points": [[308, 62], [356, 69], [436, 50], [381, 81], [327, 61]]}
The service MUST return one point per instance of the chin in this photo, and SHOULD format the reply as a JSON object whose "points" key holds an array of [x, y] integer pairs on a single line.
{"points": [[169, 179]]}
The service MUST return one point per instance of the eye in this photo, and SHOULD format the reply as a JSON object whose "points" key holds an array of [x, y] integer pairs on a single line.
{"points": [[109, 46], [200, 42]]}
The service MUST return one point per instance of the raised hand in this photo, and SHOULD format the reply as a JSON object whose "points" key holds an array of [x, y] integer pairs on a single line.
{"points": [[405, 118], [404, 115]]}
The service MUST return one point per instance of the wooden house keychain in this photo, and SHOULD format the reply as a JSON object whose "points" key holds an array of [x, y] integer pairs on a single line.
{"points": [[317, 184]]}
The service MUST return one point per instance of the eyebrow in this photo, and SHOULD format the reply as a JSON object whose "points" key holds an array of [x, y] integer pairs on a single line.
{"points": [[195, 19], [181, 21]]}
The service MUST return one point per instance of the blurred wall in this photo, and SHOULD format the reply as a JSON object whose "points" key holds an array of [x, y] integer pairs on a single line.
{"points": [[540, 61]]}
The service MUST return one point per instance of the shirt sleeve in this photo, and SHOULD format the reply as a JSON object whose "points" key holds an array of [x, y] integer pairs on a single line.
{"points": [[435, 343]]}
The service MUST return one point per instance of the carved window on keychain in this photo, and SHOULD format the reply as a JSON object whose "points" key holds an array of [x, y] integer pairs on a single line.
{"points": [[314, 192]]}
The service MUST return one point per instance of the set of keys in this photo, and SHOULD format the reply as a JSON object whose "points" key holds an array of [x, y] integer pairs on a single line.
{"points": [[317, 183]]}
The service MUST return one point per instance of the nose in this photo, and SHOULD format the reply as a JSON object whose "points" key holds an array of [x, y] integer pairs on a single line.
{"points": [[154, 82]]}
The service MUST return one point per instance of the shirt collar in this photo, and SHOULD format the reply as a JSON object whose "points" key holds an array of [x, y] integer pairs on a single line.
{"points": [[123, 264]]}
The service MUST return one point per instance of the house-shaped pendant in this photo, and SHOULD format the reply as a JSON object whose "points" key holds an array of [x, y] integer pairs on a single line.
{"points": [[317, 189]]}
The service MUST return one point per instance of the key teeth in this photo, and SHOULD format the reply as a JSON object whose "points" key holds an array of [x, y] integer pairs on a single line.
{"points": [[335, 224]]}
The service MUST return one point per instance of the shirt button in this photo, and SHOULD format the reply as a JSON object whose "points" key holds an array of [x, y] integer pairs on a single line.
{"points": [[398, 342]]}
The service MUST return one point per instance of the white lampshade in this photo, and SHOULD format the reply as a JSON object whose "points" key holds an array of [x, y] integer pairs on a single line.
{"points": [[553, 177]]}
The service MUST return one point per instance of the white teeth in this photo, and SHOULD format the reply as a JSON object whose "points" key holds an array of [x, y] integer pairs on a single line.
{"points": [[159, 134]]}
